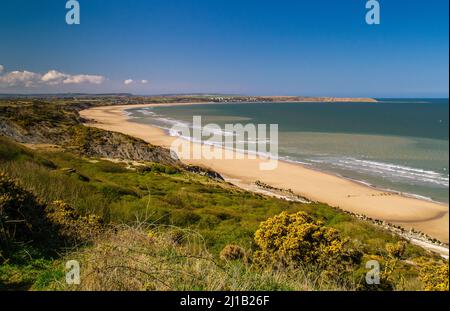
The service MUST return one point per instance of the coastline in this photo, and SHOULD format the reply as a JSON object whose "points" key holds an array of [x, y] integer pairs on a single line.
{"points": [[425, 216]]}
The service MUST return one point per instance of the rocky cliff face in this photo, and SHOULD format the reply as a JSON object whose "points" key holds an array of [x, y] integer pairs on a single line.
{"points": [[47, 123], [95, 142], [60, 124], [204, 172]]}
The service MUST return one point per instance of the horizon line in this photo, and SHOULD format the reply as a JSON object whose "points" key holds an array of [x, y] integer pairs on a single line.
{"points": [[209, 94]]}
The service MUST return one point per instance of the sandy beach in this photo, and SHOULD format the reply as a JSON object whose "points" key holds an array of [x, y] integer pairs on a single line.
{"points": [[426, 216]]}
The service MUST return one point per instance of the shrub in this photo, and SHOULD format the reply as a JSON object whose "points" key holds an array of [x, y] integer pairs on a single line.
{"points": [[434, 277], [170, 170], [232, 252], [208, 221], [157, 168], [397, 250], [143, 169], [114, 192], [183, 218], [127, 258], [70, 225], [111, 167], [388, 277], [177, 236], [21, 216], [297, 240]]}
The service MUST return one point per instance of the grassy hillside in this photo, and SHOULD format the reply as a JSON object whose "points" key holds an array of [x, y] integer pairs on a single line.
{"points": [[157, 196], [141, 211]]}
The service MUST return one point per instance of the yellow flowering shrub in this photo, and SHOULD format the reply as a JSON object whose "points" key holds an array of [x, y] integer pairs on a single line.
{"points": [[434, 277], [389, 263], [397, 250], [21, 216], [24, 219], [71, 225], [298, 239]]}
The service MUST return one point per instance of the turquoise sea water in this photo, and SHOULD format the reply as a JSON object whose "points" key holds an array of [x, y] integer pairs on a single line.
{"points": [[400, 144]]}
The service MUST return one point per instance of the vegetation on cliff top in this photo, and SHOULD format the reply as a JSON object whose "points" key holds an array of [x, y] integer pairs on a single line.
{"points": [[146, 211], [131, 203]]}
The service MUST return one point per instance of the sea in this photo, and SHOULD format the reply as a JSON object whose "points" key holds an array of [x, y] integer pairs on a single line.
{"points": [[398, 145]]}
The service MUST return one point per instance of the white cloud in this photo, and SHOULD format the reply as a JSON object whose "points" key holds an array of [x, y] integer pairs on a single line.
{"points": [[20, 78], [128, 81], [144, 81], [1, 68], [77, 79], [52, 77]]}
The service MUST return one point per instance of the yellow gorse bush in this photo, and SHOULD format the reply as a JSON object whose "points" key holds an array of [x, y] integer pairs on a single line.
{"points": [[297, 239], [21, 216], [397, 250], [434, 277], [70, 224]]}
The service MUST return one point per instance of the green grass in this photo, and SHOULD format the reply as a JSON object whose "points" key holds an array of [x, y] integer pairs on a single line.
{"points": [[154, 195], [217, 210], [36, 274], [128, 259], [222, 214]]}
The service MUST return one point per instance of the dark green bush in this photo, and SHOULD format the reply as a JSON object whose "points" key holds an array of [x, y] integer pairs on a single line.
{"points": [[183, 218], [115, 192], [110, 167], [22, 218]]}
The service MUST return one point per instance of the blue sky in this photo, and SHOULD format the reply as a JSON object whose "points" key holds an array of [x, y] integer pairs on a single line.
{"points": [[313, 48]]}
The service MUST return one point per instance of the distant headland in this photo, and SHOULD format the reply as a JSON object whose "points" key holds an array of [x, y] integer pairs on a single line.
{"points": [[198, 97]]}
